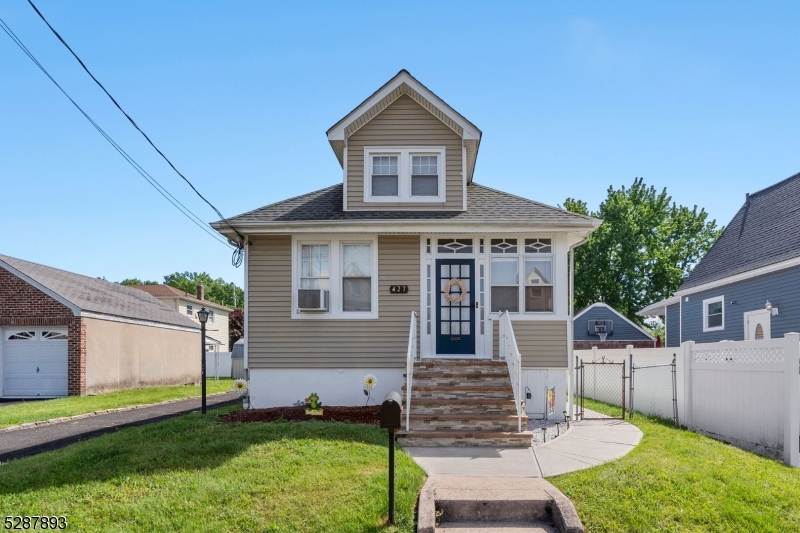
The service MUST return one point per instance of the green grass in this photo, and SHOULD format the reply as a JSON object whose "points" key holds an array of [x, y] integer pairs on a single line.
{"points": [[676, 480], [38, 410], [196, 473]]}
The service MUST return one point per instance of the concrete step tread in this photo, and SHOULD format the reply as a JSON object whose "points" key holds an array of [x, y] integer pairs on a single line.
{"points": [[466, 416], [457, 362], [475, 387], [464, 434], [495, 527], [431, 402]]}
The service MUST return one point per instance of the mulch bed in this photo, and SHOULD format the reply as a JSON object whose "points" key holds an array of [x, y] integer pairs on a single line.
{"points": [[357, 415]]}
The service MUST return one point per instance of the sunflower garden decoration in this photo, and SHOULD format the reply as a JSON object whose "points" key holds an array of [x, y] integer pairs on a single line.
{"points": [[369, 383], [242, 387], [313, 405]]}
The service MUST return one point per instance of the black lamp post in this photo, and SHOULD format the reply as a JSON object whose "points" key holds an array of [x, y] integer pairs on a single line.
{"points": [[202, 316]]}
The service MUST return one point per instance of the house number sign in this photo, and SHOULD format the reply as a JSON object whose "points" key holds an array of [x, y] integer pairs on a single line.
{"points": [[398, 289]]}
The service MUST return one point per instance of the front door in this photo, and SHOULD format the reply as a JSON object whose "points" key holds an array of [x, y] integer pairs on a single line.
{"points": [[757, 325], [455, 308]]}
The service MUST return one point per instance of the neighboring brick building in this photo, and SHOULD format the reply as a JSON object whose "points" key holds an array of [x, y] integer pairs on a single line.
{"points": [[620, 332], [66, 334]]}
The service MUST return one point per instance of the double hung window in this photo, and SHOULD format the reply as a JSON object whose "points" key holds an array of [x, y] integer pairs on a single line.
{"points": [[714, 313], [315, 266], [410, 174], [532, 257], [189, 310], [356, 277]]}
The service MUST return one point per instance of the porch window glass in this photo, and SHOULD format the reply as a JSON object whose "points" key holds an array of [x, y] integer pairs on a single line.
{"points": [[454, 246], [357, 277], [315, 266], [385, 177], [538, 285], [505, 285]]}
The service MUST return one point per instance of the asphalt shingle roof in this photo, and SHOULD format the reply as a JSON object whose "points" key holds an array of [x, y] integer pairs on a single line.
{"points": [[99, 296], [483, 205], [168, 291], [766, 230]]}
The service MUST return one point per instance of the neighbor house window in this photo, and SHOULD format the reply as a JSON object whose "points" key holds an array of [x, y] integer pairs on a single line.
{"points": [[315, 266], [411, 174], [356, 277], [189, 310], [211, 316], [714, 314], [532, 257]]}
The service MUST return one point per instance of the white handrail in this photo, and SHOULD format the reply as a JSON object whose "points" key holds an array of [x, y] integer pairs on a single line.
{"points": [[411, 356], [510, 352]]}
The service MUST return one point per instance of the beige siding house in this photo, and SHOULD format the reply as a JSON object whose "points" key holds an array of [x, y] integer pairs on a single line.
{"points": [[189, 304], [408, 267]]}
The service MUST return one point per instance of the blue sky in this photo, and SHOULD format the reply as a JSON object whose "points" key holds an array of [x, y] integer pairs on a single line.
{"points": [[572, 97]]}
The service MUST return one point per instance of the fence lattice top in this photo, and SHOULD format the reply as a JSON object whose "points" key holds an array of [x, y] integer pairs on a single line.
{"points": [[774, 354]]}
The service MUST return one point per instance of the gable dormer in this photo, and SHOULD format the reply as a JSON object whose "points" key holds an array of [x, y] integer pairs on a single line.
{"points": [[405, 149]]}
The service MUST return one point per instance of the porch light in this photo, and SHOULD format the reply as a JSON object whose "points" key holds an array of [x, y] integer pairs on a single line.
{"points": [[202, 315], [772, 310]]}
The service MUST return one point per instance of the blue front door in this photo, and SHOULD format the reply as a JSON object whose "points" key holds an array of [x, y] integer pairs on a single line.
{"points": [[455, 308]]}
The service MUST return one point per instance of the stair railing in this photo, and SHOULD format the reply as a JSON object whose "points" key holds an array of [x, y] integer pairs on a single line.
{"points": [[510, 352], [411, 357]]}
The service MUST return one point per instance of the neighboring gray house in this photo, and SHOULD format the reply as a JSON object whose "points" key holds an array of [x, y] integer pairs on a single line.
{"points": [[747, 287], [620, 332]]}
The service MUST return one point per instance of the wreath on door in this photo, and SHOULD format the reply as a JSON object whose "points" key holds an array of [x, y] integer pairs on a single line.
{"points": [[455, 298]]}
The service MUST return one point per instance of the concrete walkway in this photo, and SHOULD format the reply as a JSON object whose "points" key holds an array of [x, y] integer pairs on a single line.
{"points": [[587, 443], [30, 441]]}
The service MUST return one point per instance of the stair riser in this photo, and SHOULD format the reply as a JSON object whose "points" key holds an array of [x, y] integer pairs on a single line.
{"points": [[455, 409], [456, 394], [475, 425], [493, 510], [461, 382], [472, 373], [436, 442]]}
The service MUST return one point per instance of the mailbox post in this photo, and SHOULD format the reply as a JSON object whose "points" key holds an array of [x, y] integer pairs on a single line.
{"points": [[391, 411]]}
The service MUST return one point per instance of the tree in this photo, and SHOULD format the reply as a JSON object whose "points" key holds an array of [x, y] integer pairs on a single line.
{"points": [[137, 281], [216, 290], [642, 252], [235, 326]]}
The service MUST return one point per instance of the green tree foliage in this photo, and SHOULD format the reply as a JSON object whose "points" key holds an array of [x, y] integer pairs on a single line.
{"points": [[137, 281], [216, 290], [642, 252]]}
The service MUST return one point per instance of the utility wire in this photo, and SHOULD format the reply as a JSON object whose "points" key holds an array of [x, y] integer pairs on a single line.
{"points": [[237, 256], [152, 181]]}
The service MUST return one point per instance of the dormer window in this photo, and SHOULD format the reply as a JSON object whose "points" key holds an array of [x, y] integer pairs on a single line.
{"points": [[405, 174]]}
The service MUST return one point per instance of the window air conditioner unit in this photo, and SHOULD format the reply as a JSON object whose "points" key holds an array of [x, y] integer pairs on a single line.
{"points": [[312, 300]]}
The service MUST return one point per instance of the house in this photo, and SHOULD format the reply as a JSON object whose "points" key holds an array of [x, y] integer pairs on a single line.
{"points": [[747, 287], [189, 304], [66, 334], [408, 255], [600, 318]]}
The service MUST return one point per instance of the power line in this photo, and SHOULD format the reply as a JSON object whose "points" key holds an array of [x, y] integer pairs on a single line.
{"points": [[151, 180], [241, 237]]}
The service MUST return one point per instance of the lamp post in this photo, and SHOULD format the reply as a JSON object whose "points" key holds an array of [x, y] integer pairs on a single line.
{"points": [[202, 316]]}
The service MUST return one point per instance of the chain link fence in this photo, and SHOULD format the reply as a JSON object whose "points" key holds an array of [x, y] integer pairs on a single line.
{"points": [[603, 381]]}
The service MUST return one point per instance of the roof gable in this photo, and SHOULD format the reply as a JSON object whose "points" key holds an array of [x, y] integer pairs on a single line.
{"points": [[765, 231], [606, 307], [405, 84], [96, 295]]}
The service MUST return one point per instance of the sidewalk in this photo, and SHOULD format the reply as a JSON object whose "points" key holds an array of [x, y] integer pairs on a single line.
{"points": [[587, 443], [30, 441]]}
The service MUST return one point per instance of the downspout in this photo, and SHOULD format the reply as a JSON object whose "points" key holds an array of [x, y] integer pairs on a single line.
{"points": [[571, 326]]}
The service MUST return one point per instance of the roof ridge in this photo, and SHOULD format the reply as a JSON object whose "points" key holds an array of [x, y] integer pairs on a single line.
{"points": [[533, 201], [774, 185]]}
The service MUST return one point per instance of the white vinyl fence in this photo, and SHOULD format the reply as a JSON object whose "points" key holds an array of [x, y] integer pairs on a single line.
{"points": [[218, 364], [746, 393]]}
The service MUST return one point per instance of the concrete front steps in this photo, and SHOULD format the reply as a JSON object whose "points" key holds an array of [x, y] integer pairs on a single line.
{"points": [[463, 402], [472, 504]]}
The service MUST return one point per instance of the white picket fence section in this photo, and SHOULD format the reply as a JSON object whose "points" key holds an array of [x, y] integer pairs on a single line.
{"points": [[746, 393]]}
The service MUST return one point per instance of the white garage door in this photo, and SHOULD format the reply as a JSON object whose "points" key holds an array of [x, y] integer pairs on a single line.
{"points": [[34, 362]]}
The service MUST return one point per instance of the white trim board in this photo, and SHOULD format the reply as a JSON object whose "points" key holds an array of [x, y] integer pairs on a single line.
{"points": [[740, 277], [603, 304]]}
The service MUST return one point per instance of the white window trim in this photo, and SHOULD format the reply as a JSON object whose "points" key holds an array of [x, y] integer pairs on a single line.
{"points": [[190, 310], [706, 303], [335, 250], [404, 154]]}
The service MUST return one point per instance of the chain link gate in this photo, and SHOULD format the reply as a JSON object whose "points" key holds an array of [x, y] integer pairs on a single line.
{"points": [[603, 381]]}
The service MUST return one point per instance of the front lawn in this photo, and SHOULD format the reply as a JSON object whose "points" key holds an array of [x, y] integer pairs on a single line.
{"points": [[196, 473], [676, 480], [38, 410]]}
